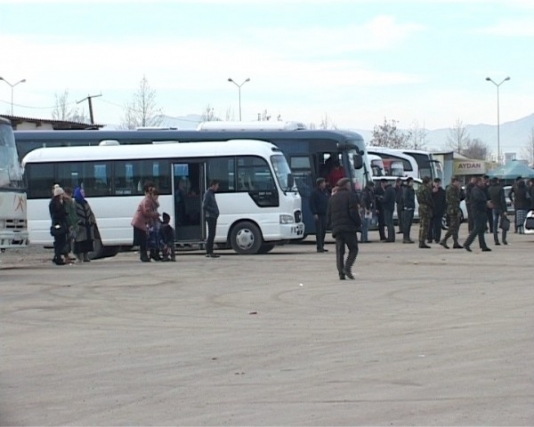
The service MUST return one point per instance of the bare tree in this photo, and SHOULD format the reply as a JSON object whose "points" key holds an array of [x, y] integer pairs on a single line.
{"points": [[327, 122], [63, 109], [312, 126], [527, 152], [229, 115], [208, 115], [264, 117], [458, 137], [416, 137], [388, 135], [476, 149], [142, 111]]}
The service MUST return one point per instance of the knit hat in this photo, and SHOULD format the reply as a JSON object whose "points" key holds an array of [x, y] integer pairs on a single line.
{"points": [[58, 191]]}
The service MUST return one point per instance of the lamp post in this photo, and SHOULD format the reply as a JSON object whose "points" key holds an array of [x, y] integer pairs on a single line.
{"points": [[239, 90], [12, 86], [498, 85]]}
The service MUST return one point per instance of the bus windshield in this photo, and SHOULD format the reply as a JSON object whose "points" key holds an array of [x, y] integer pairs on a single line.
{"points": [[282, 171], [10, 169]]}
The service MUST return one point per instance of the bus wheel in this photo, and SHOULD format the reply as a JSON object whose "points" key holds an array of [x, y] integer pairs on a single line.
{"points": [[265, 248], [246, 238]]}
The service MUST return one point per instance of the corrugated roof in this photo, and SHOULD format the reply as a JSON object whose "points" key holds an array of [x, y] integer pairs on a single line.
{"points": [[64, 124]]}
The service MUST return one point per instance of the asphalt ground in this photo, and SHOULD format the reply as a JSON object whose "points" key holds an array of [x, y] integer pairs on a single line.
{"points": [[421, 337]]}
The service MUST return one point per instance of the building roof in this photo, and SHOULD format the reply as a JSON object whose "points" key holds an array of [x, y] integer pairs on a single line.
{"points": [[56, 124], [512, 170]]}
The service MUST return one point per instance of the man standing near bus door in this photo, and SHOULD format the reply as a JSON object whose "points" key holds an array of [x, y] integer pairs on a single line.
{"points": [[211, 213], [344, 218], [318, 207]]}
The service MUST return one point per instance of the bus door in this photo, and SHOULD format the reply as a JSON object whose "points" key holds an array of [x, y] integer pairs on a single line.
{"points": [[188, 190], [301, 167]]}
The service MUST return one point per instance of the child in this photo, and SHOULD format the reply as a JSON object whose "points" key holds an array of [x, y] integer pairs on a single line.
{"points": [[167, 238]]}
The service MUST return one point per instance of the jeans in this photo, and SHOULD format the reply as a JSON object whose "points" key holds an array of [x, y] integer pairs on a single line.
{"points": [[320, 231], [381, 224], [479, 228], [351, 241], [407, 218], [212, 227], [366, 222], [434, 232], [60, 242], [497, 215], [388, 219]]}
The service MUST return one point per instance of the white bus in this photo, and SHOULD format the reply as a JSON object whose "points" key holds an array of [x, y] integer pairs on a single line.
{"points": [[259, 204], [416, 163], [13, 230]]}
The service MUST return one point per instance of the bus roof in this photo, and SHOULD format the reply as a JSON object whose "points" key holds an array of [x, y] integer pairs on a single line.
{"points": [[250, 126], [392, 151], [149, 151], [184, 135], [4, 121]]}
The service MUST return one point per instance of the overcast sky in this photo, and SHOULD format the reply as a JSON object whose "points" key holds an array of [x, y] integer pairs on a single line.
{"points": [[358, 61]]}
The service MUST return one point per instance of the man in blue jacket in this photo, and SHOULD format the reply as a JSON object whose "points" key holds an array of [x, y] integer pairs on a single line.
{"points": [[318, 207]]}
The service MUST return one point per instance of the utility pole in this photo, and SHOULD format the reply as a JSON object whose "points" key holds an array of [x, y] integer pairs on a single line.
{"points": [[89, 99]]}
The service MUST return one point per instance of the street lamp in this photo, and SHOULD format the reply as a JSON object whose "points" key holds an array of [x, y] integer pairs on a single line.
{"points": [[12, 86], [498, 85], [239, 90]]}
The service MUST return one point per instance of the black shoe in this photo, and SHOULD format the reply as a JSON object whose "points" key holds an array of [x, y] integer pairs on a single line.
{"points": [[145, 259], [486, 249], [467, 248], [444, 244], [349, 274], [58, 261], [212, 256], [407, 241], [400, 232], [497, 243], [341, 277], [504, 242], [423, 245], [457, 246], [429, 241], [322, 250]]}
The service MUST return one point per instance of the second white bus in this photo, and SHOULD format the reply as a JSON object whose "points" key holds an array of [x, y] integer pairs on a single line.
{"points": [[259, 204]]}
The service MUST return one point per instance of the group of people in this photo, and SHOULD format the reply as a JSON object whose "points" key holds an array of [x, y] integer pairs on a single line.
{"points": [[153, 235], [346, 214], [73, 225]]}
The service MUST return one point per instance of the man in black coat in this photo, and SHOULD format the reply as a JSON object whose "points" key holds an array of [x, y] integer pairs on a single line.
{"points": [[388, 206], [399, 187], [479, 205], [318, 207], [379, 197], [408, 203], [344, 219], [440, 205]]}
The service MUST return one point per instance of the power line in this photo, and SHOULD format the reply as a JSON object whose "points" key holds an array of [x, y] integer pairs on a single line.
{"points": [[35, 108]]}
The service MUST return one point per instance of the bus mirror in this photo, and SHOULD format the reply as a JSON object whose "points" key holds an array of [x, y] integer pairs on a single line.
{"points": [[290, 181], [357, 161]]}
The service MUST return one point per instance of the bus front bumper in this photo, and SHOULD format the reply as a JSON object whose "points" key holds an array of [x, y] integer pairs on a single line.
{"points": [[10, 239]]}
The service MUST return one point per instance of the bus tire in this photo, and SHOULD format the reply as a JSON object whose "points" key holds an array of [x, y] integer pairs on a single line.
{"points": [[111, 251], [266, 248], [246, 238]]}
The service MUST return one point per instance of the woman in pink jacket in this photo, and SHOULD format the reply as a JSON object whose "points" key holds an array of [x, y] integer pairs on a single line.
{"points": [[145, 216]]}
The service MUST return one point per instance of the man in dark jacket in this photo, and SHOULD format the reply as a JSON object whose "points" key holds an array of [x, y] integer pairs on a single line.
{"points": [[211, 213], [479, 204], [344, 219], [440, 204], [318, 207], [498, 201], [379, 197], [470, 217], [489, 211], [367, 210], [453, 196], [408, 203], [388, 206], [398, 201]]}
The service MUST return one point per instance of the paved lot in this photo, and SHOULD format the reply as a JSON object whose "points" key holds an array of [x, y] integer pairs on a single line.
{"points": [[429, 337]]}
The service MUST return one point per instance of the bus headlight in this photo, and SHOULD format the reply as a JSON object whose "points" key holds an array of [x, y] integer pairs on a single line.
{"points": [[287, 219]]}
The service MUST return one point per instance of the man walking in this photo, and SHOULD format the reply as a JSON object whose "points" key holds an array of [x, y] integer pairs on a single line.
{"points": [[424, 197], [489, 211], [388, 206], [379, 197], [479, 204], [398, 201], [211, 213], [470, 216], [440, 204], [497, 199], [367, 209], [408, 203], [318, 207], [453, 197], [344, 219]]}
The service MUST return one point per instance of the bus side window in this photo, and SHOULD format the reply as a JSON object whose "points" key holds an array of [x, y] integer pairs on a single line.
{"points": [[223, 170], [302, 172], [41, 179], [254, 176]]}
